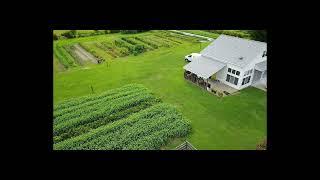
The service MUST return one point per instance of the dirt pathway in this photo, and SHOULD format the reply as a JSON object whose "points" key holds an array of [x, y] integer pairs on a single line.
{"points": [[193, 35], [83, 54]]}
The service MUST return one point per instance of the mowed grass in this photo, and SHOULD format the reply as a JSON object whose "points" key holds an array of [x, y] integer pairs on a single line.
{"points": [[234, 122]]}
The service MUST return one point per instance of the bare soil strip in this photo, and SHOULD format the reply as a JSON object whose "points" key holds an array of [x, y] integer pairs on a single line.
{"points": [[83, 54]]}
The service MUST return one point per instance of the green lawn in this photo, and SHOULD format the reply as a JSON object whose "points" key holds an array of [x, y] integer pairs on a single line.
{"points": [[234, 122]]}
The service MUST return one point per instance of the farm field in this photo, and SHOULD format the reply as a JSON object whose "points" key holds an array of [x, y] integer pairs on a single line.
{"points": [[108, 47], [129, 118], [234, 122]]}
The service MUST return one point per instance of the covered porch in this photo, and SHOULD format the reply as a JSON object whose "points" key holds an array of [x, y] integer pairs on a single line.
{"points": [[260, 76], [200, 72]]}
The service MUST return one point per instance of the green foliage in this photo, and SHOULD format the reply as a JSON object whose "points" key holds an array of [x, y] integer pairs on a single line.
{"points": [[117, 119], [132, 31], [55, 37], [259, 35], [139, 49], [153, 45], [63, 56], [70, 34]]}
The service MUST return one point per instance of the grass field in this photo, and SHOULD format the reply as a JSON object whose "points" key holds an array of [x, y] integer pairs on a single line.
{"points": [[234, 122], [215, 33]]}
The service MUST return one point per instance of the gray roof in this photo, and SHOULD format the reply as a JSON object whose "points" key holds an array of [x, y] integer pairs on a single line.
{"points": [[229, 49], [204, 67], [262, 66]]}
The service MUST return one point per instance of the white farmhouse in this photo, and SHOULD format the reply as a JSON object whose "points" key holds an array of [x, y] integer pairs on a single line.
{"points": [[230, 60]]}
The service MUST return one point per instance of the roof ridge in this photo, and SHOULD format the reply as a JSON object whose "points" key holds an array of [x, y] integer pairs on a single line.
{"points": [[221, 60]]}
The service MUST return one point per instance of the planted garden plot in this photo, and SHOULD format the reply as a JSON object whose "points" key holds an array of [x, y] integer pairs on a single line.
{"points": [[168, 38], [109, 49], [81, 51], [83, 54], [129, 117], [163, 42], [64, 57]]}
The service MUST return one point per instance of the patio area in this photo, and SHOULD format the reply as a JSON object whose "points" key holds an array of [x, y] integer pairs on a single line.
{"points": [[220, 87]]}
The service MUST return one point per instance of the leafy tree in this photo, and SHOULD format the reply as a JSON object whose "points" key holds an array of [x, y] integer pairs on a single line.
{"points": [[55, 37], [70, 34]]}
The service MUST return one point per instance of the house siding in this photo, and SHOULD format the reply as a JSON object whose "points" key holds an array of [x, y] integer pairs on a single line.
{"points": [[222, 76]]}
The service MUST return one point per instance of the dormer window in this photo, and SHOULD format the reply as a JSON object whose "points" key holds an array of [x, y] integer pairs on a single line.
{"points": [[264, 53]]}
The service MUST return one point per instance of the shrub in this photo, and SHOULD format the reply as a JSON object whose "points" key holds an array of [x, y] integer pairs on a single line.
{"points": [[139, 49], [55, 37], [70, 34]]}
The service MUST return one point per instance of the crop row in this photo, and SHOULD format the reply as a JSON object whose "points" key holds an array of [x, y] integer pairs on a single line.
{"points": [[148, 113], [153, 45], [87, 109], [162, 40], [89, 105], [76, 101], [70, 49], [121, 138], [106, 47], [63, 56], [84, 128], [150, 128], [106, 110]]}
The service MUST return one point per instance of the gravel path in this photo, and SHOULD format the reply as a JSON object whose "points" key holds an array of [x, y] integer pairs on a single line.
{"points": [[83, 54], [193, 35]]}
